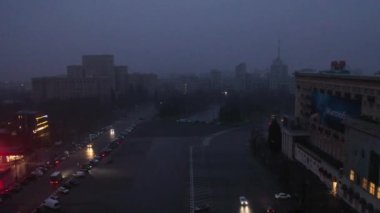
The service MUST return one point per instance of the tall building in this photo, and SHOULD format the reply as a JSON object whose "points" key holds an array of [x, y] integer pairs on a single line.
{"points": [[278, 74], [97, 77], [336, 133]]}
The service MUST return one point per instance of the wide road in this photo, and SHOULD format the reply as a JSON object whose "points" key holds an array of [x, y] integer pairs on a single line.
{"points": [[148, 173], [35, 192], [228, 170]]}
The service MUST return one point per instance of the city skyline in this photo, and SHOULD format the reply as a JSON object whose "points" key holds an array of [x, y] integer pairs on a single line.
{"points": [[41, 38]]}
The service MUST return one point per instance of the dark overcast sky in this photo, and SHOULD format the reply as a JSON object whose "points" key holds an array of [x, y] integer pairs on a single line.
{"points": [[42, 37]]}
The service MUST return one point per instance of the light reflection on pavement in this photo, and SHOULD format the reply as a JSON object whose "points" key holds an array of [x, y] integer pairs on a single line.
{"points": [[245, 209], [90, 153]]}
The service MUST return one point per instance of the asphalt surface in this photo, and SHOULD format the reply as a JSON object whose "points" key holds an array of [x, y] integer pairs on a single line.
{"points": [[225, 166], [36, 191], [150, 172]]}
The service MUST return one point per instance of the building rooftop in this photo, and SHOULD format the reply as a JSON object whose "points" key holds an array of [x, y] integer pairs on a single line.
{"points": [[344, 76]]}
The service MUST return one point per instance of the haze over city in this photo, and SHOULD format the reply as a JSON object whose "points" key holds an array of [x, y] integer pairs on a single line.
{"points": [[39, 38], [214, 106]]}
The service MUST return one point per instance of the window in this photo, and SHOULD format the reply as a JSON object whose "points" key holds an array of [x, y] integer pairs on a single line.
{"points": [[378, 192], [372, 188], [365, 183], [352, 175]]}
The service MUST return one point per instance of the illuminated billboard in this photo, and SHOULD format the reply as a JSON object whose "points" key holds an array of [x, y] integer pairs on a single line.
{"points": [[333, 110]]}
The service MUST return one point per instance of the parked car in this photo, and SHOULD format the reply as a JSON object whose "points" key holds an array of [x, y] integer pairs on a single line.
{"points": [[74, 181], [86, 167], [54, 197], [67, 185], [282, 195], [51, 203], [98, 158], [43, 168], [105, 153], [37, 172], [79, 174], [94, 162], [63, 190]]}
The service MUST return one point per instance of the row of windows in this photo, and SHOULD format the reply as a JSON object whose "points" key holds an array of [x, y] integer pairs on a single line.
{"points": [[346, 88], [368, 186], [356, 92]]}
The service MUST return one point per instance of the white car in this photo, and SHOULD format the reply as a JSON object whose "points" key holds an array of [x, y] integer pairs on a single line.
{"points": [[51, 203], [37, 172], [63, 190], [282, 195], [243, 201], [79, 174]]}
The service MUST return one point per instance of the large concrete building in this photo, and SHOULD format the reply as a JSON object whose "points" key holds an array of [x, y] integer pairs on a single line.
{"points": [[337, 133], [98, 65], [97, 77], [361, 182], [323, 100]]}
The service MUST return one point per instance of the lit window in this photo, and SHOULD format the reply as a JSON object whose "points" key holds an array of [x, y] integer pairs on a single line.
{"points": [[11, 158], [378, 192], [352, 175], [372, 188], [365, 183]]}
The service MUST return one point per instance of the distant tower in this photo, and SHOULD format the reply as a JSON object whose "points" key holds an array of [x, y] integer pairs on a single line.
{"points": [[278, 74]]}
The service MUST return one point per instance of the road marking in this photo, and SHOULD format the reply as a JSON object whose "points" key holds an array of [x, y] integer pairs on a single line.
{"points": [[191, 179], [208, 139]]}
